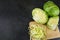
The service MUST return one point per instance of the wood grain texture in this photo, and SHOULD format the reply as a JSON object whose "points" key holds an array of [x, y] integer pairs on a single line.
{"points": [[53, 34]]}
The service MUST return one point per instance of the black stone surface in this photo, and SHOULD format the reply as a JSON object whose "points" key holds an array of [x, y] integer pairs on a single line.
{"points": [[15, 16]]}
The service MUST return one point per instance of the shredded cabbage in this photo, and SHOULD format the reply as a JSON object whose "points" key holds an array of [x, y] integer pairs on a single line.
{"points": [[36, 31]]}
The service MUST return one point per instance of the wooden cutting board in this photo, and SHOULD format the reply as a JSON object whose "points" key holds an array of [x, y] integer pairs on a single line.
{"points": [[49, 33], [53, 34]]}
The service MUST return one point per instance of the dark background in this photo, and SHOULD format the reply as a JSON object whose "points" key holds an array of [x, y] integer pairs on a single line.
{"points": [[15, 16]]}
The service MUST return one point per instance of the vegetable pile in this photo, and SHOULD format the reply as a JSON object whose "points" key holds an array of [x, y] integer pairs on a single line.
{"points": [[48, 16], [37, 32]]}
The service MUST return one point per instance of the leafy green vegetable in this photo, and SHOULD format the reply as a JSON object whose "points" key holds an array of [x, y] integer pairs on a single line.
{"points": [[39, 15], [51, 8], [53, 22], [37, 32]]}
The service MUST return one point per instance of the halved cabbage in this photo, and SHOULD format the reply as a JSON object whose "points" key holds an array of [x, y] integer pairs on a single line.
{"points": [[39, 15], [53, 22]]}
